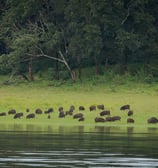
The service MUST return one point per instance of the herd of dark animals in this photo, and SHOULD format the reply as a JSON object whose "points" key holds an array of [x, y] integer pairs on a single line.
{"points": [[104, 115]]}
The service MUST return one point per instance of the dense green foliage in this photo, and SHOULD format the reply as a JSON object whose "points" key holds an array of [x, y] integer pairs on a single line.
{"points": [[60, 35]]}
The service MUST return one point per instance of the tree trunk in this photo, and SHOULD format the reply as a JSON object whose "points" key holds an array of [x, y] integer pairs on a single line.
{"points": [[79, 71], [79, 65], [123, 62], [31, 78], [72, 73], [122, 69], [73, 76], [56, 69], [96, 66]]}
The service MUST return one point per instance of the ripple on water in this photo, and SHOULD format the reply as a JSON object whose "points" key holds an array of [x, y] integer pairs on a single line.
{"points": [[90, 150], [71, 158]]}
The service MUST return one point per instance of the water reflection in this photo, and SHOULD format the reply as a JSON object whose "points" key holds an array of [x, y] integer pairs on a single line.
{"points": [[68, 147], [76, 129], [130, 130]]}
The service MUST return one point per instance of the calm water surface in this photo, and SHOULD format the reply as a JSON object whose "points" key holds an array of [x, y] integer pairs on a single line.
{"points": [[63, 149]]}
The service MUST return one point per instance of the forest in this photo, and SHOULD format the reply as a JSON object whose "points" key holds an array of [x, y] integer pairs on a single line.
{"points": [[67, 36]]}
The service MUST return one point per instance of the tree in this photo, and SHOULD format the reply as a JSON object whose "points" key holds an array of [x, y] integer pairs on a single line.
{"points": [[77, 33], [37, 36]]}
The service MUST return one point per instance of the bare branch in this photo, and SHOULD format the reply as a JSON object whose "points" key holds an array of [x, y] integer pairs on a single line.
{"points": [[44, 55], [72, 73], [34, 27], [127, 15], [124, 20], [62, 60], [41, 19]]}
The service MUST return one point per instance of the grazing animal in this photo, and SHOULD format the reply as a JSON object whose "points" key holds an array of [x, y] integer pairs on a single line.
{"points": [[114, 118], [72, 108], [50, 110], [38, 111], [48, 117], [108, 119], [2, 114], [100, 107], [27, 110], [61, 114], [12, 111], [81, 119], [152, 120], [99, 119], [92, 108], [125, 107], [46, 112], [130, 113], [29, 116], [69, 112], [81, 108], [78, 115], [106, 112], [61, 109], [18, 115], [130, 120]]}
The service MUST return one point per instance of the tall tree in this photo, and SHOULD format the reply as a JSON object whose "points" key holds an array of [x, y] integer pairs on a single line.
{"points": [[77, 33]]}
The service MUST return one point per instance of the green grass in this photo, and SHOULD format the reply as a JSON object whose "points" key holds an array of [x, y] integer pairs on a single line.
{"points": [[43, 94]]}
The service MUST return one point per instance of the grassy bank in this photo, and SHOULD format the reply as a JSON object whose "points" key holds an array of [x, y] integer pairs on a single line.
{"points": [[44, 94]]}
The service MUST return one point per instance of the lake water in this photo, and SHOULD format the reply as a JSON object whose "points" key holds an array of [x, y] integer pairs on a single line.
{"points": [[69, 149]]}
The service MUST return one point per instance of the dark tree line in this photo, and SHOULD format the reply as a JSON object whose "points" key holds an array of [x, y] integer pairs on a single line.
{"points": [[72, 34]]}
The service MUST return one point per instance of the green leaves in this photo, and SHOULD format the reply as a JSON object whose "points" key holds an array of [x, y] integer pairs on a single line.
{"points": [[128, 40], [81, 30]]}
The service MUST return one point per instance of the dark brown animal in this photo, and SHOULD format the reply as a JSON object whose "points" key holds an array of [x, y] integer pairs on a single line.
{"points": [[61, 114], [38, 111], [27, 110], [60, 109], [81, 119], [100, 107], [130, 113], [152, 120], [48, 117], [12, 111], [99, 119], [50, 110], [114, 118], [29, 116], [106, 112], [2, 114], [81, 108], [78, 115], [72, 108], [18, 115], [108, 119], [92, 108], [69, 112], [46, 112], [130, 120], [125, 107]]}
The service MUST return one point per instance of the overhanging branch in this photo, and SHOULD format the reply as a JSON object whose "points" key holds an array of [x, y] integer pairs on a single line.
{"points": [[127, 15], [44, 55], [62, 59]]}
